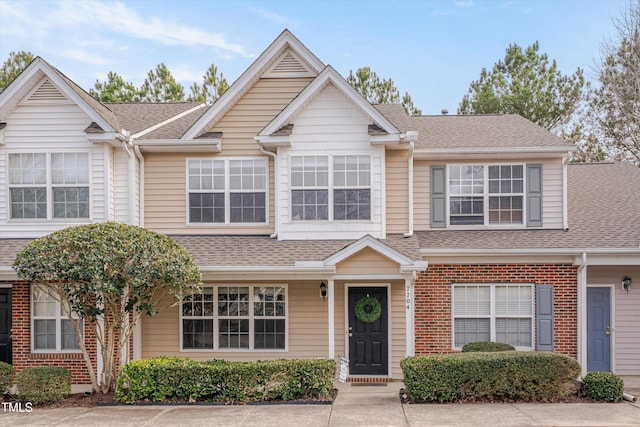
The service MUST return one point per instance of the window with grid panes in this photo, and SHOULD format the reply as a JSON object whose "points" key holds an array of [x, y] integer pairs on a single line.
{"points": [[499, 312], [52, 330], [49, 185]]}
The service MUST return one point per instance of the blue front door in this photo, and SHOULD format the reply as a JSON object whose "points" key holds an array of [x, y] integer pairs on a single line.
{"points": [[598, 329]]}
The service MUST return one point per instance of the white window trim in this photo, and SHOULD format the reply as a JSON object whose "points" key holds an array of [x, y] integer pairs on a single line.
{"points": [[486, 195], [49, 187], [59, 317], [251, 318], [330, 188], [492, 315], [227, 194]]}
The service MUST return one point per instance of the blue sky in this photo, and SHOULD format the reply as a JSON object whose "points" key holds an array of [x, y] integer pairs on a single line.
{"points": [[432, 49]]}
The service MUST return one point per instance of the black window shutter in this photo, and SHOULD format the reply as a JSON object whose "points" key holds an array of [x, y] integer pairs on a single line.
{"points": [[534, 195], [438, 196], [544, 317]]}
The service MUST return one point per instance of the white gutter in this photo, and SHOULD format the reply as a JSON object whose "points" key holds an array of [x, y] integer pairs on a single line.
{"points": [[582, 313], [530, 251], [565, 209], [275, 190], [140, 157], [127, 146], [410, 189]]}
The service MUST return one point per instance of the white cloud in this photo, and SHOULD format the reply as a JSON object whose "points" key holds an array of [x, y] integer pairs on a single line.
{"points": [[272, 16]]}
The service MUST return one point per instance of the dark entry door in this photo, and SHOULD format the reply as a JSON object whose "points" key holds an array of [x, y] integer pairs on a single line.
{"points": [[368, 340], [5, 325], [598, 329]]}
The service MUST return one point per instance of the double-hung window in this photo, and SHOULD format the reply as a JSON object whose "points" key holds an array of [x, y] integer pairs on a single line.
{"points": [[52, 329], [332, 188], [486, 194], [49, 185], [493, 312], [235, 317], [227, 191]]}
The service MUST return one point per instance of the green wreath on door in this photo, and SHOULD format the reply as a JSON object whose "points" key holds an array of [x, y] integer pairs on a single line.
{"points": [[368, 309]]}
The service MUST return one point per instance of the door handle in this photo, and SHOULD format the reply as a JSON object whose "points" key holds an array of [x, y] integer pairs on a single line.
{"points": [[608, 332]]}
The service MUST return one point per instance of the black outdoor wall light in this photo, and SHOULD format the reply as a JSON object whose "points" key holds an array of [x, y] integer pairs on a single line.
{"points": [[626, 283], [323, 290]]}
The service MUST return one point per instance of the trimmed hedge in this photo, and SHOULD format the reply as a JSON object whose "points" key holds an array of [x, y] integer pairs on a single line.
{"points": [[603, 386], [183, 379], [487, 346], [502, 376], [6, 377], [43, 384]]}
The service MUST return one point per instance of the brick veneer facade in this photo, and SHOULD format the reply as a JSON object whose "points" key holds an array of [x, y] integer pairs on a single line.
{"points": [[22, 355], [433, 300]]}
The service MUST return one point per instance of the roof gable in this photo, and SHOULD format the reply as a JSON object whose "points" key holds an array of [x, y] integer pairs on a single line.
{"points": [[56, 85], [328, 76], [285, 57]]}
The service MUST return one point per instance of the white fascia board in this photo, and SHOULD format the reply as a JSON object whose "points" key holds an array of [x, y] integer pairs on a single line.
{"points": [[273, 141], [522, 152], [7, 273], [241, 85], [532, 251], [179, 146], [416, 266], [368, 242], [393, 138], [329, 75], [109, 137]]}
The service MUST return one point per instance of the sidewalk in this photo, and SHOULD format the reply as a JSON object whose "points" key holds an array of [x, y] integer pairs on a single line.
{"points": [[354, 406]]}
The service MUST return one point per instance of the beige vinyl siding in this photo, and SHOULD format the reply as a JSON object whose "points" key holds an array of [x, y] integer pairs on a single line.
{"points": [[625, 314], [254, 111], [398, 328], [306, 322], [397, 177], [551, 189], [165, 207], [367, 262], [165, 198], [47, 126]]}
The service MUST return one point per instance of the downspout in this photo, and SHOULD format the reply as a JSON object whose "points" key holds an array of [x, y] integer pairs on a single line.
{"points": [[410, 189], [582, 313], [275, 190], [127, 146], [565, 209], [140, 158]]}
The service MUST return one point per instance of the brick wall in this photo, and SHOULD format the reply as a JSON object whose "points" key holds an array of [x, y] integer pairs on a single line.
{"points": [[22, 355], [433, 300]]}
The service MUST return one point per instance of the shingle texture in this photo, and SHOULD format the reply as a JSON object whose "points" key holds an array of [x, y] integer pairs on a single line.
{"points": [[464, 132], [604, 213], [136, 117]]}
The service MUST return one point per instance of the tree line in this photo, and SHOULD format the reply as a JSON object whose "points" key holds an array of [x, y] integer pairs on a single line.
{"points": [[601, 119]]}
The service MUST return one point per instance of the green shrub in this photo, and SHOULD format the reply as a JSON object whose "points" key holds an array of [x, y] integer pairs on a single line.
{"points": [[184, 379], [603, 386], [6, 377], [43, 384], [502, 376], [487, 346]]}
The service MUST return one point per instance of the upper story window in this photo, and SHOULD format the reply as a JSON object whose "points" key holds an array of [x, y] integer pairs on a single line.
{"points": [[52, 330], [481, 194], [49, 185], [331, 187], [225, 191]]}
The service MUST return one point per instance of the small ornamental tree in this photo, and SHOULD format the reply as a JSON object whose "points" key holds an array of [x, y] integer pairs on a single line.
{"points": [[110, 275]]}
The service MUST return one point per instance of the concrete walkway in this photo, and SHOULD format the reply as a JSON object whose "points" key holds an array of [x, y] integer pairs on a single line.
{"points": [[354, 406]]}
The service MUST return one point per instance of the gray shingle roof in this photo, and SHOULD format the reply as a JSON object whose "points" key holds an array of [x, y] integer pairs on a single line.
{"points": [[604, 213], [136, 117], [460, 132], [233, 251]]}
